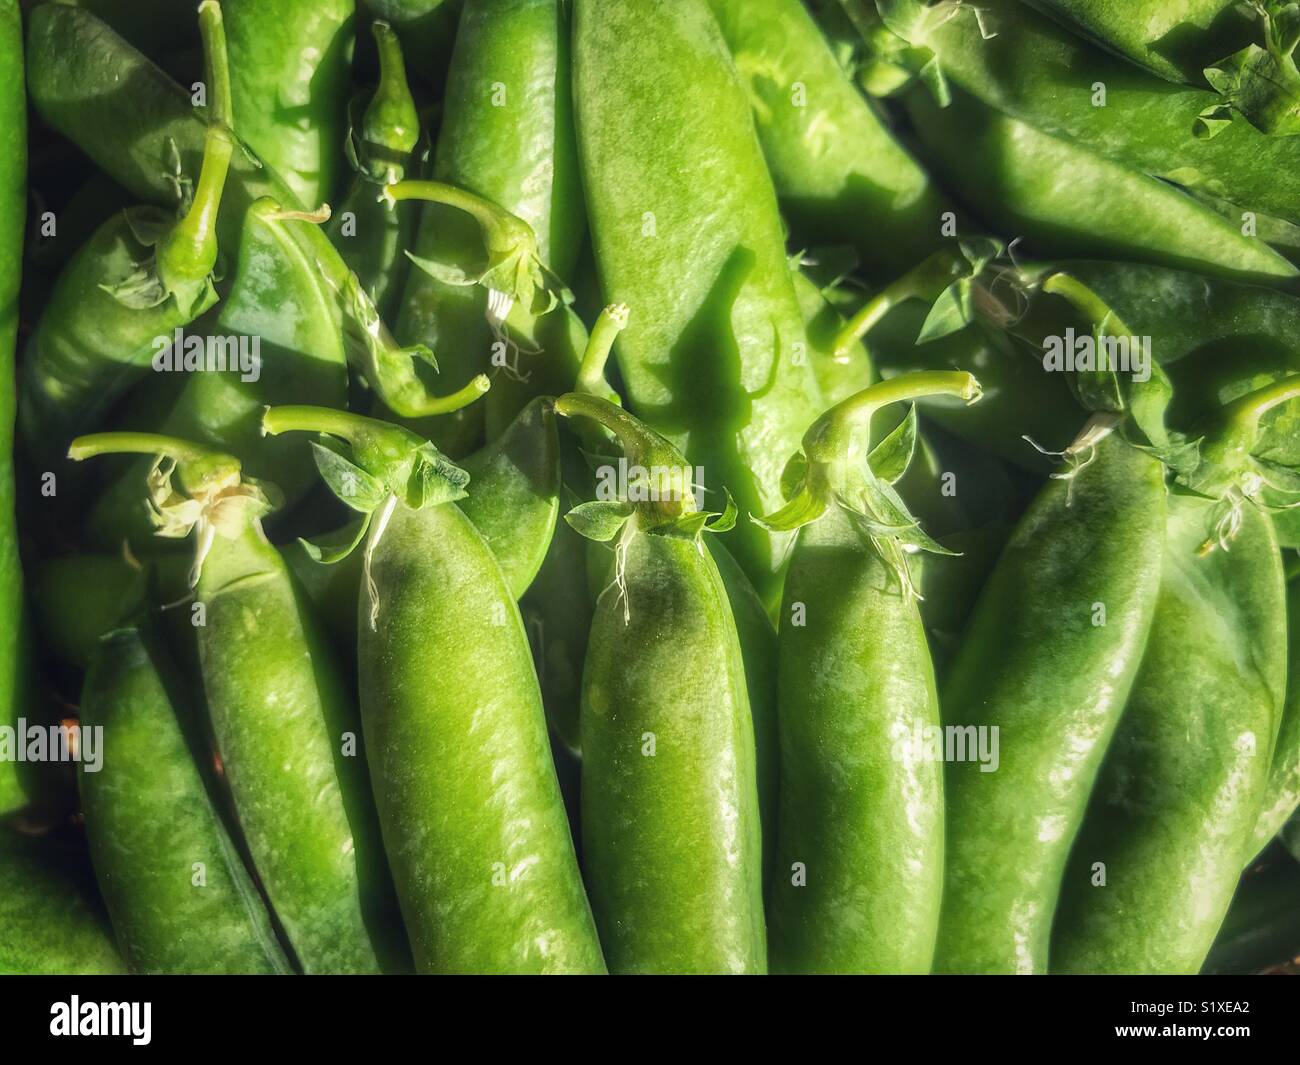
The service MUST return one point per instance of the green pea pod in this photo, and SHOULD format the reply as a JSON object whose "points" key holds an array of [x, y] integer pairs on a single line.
{"points": [[276, 701], [107, 590], [453, 720], [1175, 41], [141, 128], [666, 729], [859, 865], [141, 277], [839, 172], [518, 496], [1169, 824], [716, 357], [372, 237], [1048, 659], [1282, 792], [506, 137], [52, 921], [290, 74], [176, 888], [279, 316], [758, 654], [1246, 54], [557, 611], [1026, 66], [1107, 210], [13, 212]]}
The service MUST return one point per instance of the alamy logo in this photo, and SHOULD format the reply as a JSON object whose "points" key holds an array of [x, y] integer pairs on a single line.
{"points": [[103, 1018], [196, 353], [53, 743], [1082, 351], [649, 484]]}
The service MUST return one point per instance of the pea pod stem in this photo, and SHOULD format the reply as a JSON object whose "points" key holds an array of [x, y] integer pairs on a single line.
{"points": [[591, 373], [924, 281], [641, 444], [830, 435], [95, 445], [494, 220], [1086, 302], [354, 428], [189, 252]]}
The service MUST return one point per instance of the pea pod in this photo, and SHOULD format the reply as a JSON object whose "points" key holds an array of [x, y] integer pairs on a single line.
{"points": [[13, 210], [507, 138], [1107, 210], [141, 128], [139, 278], [758, 655], [1282, 792], [277, 303], [52, 921], [1246, 54], [371, 237], [666, 732], [176, 888], [859, 865], [108, 592], [839, 172], [453, 720], [717, 359], [290, 71], [1026, 66], [1048, 659], [1169, 825], [275, 701]]}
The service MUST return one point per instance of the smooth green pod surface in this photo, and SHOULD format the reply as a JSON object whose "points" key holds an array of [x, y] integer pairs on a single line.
{"points": [[1169, 824], [1048, 659], [453, 721], [670, 820], [52, 921], [859, 868], [288, 740], [175, 886]]}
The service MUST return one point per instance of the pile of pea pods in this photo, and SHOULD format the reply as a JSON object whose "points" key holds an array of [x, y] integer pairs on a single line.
{"points": [[657, 486]]}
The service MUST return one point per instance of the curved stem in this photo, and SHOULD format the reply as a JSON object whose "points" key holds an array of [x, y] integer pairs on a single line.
{"points": [[591, 373], [1242, 414], [130, 443], [1087, 303], [216, 63], [485, 212], [829, 435], [462, 397], [641, 444], [299, 418], [925, 281]]}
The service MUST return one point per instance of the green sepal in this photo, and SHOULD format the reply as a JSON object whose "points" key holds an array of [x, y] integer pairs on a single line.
{"points": [[691, 526], [351, 485], [599, 520], [1261, 84], [955, 308], [890, 458], [1212, 121], [804, 508], [885, 512], [334, 547], [434, 480]]}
